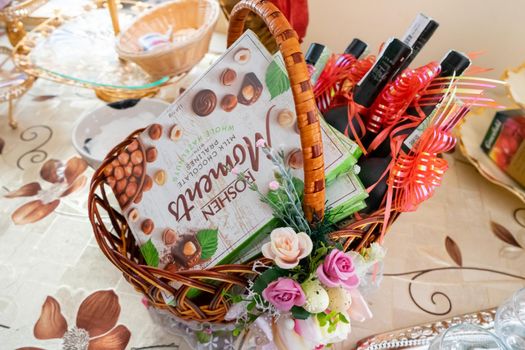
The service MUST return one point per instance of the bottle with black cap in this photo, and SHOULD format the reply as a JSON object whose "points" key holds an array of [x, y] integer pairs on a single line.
{"points": [[417, 35], [453, 64], [373, 166], [356, 48], [368, 88]]}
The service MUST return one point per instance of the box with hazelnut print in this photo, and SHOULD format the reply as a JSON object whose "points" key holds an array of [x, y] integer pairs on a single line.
{"points": [[175, 184]]}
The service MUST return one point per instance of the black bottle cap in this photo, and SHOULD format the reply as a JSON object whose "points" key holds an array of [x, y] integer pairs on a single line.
{"points": [[387, 64], [454, 63], [356, 48], [314, 52]]}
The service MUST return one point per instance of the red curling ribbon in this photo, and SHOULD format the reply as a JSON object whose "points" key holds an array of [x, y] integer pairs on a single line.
{"points": [[396, 97], [414, 176], [340, 73]]}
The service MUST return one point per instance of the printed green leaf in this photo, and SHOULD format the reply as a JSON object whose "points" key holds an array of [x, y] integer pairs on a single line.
{"points": [[299, 313], [208, 239], [150, 253], [203, 337], [266, 278], [276, 80]]}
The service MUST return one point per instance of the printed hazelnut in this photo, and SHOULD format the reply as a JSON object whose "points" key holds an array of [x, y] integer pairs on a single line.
{"points": [[160, 177], [111, 181], [123, 158], [169, 236], [151, 154], [286, 118], [136, 157], [121, 185], [134, 145], [189, 248], [108, 170], [242, 56], [228, 76], [147, 226], [123, 199], [137, 170], [155, 131], [229, 102], [175, 133], [133, 215], [128, 170], [131, 189], [248, 92], [119, 173], [295, 159], [148, 183], [138, 198]]}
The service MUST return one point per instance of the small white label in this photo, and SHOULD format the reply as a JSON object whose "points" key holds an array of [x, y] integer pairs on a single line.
{"points": [[415, 29]]}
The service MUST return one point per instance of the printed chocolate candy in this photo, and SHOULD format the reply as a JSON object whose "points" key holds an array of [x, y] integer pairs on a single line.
{"points": [[155, 131], [169, 236], [295, 159], [204, 102], [286, 118], [242, 56], [160, 177], [151, 154], [228, 102], [187, 252], [175, 133], [251, 89], [147, 226], [228, 76], [133, 215]]}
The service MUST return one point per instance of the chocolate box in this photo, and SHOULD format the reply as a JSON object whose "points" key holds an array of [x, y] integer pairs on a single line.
{"points": [[176, 185], [504, 143]]}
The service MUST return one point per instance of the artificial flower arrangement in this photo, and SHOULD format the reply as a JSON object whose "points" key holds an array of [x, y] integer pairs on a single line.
{"points": [[308, 293]]}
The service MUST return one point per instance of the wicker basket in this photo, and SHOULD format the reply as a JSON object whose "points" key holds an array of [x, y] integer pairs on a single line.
{"points": [[116, 239], [180, 56]]}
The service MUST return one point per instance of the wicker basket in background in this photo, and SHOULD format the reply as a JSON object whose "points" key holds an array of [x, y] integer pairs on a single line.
{"points": [[118, 244], [180, 56]]}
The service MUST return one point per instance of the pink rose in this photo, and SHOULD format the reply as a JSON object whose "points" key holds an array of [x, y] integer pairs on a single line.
{"points": [[284, 294], [286, 247], [273, 185], [338, 270]]}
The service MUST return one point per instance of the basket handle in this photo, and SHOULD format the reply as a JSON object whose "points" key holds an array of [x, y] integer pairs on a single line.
{"points": [[306, 110]]}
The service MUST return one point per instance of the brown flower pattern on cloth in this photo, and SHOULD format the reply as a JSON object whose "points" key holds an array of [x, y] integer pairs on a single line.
{"points": [[95, 328], [64, 179]]}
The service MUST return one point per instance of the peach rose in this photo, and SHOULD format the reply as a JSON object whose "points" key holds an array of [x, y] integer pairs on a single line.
{"points": [[286, 247]]}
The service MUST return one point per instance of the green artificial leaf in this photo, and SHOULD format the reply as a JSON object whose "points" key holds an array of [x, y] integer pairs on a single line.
{"points": [[203, 337], [208, 239], [276, 80], [266, 278], [342, 318], [150, 253], [298, 184], [250, 306], [236, 332], [299, 313]]}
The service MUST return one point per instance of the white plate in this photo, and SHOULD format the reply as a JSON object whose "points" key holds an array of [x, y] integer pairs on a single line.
{"points": [[99, 131]]}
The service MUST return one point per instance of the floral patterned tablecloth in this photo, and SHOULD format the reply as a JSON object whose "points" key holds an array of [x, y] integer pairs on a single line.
{"points": [[462, 251]]}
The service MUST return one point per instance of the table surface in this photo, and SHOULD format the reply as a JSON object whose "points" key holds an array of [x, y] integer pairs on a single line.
{"points": [[445, 259]]}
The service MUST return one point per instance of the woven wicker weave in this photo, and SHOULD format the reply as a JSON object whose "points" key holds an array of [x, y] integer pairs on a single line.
{"points": [[178, 57], [117, 242]]}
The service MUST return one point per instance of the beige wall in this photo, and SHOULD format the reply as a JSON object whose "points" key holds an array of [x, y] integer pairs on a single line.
{"points": [[497, 26]]}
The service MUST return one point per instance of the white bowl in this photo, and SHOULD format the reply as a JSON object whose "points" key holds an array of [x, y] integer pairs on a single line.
{"points": [[96, 133]]}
